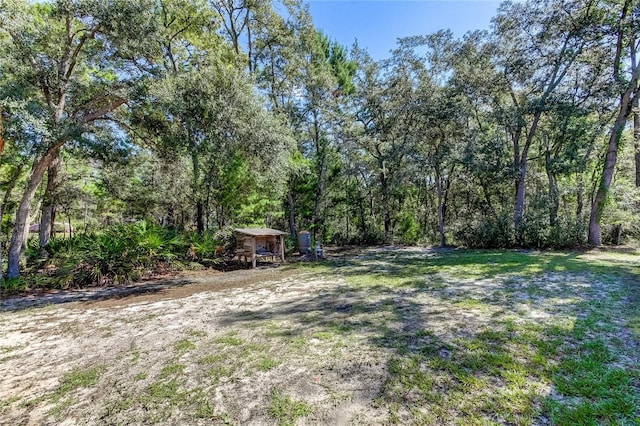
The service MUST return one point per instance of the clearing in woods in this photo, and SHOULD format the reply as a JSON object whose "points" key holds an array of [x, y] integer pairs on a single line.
{"points": [[372, 336]]}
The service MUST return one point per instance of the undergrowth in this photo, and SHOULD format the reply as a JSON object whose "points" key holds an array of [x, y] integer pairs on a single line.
{"points": [[118, 255]]}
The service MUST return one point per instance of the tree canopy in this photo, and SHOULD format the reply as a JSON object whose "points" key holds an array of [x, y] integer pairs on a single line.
{"points": [[200, 116]]}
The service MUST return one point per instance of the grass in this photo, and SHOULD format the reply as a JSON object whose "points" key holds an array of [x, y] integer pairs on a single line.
{"points": [[184, 345], [229, 341], [266, 364], [503, 370], [452, 337], [75, 379], [285, 410], [172, 370], [197, 333]]}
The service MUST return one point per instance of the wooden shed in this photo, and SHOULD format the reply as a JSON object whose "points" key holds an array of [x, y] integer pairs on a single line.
{"points": [[252, 243]]}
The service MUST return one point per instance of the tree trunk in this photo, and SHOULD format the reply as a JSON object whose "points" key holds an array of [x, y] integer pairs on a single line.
{"points": [[579, 196], [597, 208], [292, 214], [2, 206], [25, 240], [5, 201], [636, 139], [318, 216], [439, 191], [196, 189], [171, 216], [521, 163], [200, 217], [1, 133], [17, 238], [385, 203], [487, 199], [554, 201], [47, 225], [520, 196]]}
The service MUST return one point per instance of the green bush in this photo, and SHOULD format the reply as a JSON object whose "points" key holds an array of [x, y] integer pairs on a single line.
{"points": [[408, 229], [123, 253], [568, 234], [535, 229], [13, 285], [486, 232]]}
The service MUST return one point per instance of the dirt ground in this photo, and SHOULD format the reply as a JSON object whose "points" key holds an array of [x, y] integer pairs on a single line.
{"points": [[275, 345], [131, 332]]}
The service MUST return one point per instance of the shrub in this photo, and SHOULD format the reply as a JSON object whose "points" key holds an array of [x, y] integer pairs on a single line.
{"points": [[120, 254], [535, 228], [568, 233], [486, 232], [408, 229]]}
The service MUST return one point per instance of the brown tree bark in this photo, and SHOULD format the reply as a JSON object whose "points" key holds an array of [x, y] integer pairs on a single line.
{"points": [[40, 166], [47, 226], [292, 214], [521, 162], [318, 215], [384, 183], [628, 99], [1, 207], [442, 189], [554, 201], [597, 208], [636, 139], [1, 132]]}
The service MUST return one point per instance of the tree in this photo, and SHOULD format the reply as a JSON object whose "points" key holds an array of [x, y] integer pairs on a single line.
{"points": [[205, 109], [621, 25], [539, 44], [77, 61]]}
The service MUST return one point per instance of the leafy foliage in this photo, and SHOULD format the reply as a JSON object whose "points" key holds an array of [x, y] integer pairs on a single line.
{"points": [[201, 116], [123, 253]]}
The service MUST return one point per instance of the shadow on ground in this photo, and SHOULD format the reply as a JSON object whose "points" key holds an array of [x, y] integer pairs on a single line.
{"points": [[447, 358], [91, 294]]}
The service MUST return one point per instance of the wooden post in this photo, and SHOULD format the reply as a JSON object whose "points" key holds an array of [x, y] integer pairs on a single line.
{"points": [[282, 248], [253, 252]]}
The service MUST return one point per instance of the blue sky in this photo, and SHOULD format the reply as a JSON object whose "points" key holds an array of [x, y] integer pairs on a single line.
{"points": [[377, 24]]}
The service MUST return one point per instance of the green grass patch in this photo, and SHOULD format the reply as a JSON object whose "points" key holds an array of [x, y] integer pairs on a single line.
{"points": [[210, 359], [218, 372], [77, 379], [298, 342], [140, 376], [184, 345], [266, 364], [593, 391], [172, 370], [285, 410], [229, 341], [472, 304], [169, 392], [322, 335], [71, 381]]}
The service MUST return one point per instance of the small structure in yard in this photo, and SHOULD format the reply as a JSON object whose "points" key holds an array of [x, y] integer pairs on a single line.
{"points": [[252, 243]]}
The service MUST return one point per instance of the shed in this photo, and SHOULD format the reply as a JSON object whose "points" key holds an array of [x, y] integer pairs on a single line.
{"points": [[252, 243]]}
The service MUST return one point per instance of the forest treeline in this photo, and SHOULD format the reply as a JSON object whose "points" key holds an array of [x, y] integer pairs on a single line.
{"points": [[198, 116]]}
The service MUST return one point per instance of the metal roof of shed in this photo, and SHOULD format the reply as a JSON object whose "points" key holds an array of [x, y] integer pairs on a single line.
{"points": [[259, 232]]}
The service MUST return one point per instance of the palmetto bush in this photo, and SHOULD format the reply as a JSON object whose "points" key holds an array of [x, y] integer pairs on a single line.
{"points": [[119, 254]]}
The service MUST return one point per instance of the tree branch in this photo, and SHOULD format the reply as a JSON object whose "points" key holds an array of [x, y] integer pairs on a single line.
{"points": [[111, 106]]}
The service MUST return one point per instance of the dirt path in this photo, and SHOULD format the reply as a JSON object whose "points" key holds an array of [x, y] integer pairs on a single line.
{"points": [[181, 285]]}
